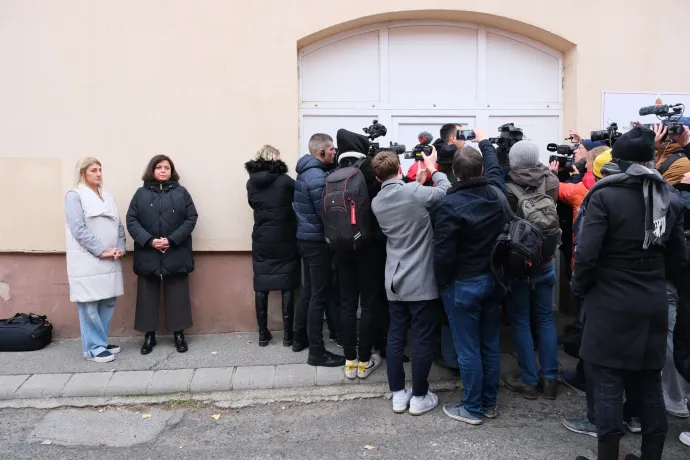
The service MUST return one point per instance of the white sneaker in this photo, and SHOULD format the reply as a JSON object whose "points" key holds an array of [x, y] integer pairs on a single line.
{"points": [[420, 405], [351, 368], [685, 438], [102, 357], [364, 369], [401, 399]]}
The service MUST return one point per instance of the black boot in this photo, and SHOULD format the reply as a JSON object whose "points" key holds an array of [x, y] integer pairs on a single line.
{"points": [[149, 343], [180, 342], [261, 304], [288, 317]]}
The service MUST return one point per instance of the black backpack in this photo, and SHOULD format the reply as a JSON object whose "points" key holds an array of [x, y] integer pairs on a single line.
{"points": [[347, 215], [530, 238], [25, 332]]}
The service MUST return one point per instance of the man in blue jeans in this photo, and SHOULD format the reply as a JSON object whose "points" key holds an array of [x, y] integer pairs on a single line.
{"points": [[467, 222], [533, 296]]}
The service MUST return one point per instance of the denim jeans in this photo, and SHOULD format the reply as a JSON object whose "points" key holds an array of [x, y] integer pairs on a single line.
{"points": [[676, 390], [448, 354], [94, 322], [473, 312], [422, 318], [534, 296]]}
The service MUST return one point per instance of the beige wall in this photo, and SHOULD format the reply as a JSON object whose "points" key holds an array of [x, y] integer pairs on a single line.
{"points": [[207, 82]]}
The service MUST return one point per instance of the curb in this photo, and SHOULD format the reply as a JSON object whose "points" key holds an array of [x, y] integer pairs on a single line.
{"points": [[228, 399]]}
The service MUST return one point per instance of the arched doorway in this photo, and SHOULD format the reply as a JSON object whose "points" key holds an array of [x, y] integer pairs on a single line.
{"points": [[415, 76]]}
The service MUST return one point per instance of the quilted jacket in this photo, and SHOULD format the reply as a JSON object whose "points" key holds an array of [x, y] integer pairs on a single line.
{"points": [[162, 210]]}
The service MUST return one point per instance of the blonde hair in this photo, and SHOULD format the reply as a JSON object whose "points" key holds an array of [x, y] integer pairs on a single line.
{"points": [[267, 153], [82, 165]]}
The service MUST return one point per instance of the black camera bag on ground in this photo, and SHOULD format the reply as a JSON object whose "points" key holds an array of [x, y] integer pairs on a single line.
{"points": [[25, 332]]}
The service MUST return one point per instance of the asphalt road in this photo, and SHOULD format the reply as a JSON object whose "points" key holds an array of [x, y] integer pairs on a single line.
{"points": [[328, 430]]}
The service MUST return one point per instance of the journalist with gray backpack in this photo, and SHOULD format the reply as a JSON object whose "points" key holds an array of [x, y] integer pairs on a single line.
{"points": [[532, 240]]}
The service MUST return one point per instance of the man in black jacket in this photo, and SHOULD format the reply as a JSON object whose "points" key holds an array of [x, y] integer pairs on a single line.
{"points": [[631, 235], [467, 222], [360, 273]]}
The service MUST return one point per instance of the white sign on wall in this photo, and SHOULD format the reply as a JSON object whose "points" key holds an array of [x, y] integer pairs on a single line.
{"points": [[623, 107]]}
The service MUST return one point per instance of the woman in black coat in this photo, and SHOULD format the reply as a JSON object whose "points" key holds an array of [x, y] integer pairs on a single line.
{"points": [[161, 219], [275, 257]]}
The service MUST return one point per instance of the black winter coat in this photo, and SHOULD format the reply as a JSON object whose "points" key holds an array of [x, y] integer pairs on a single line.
{"points": [[624, 286], [681, 334], [162, 211], [275, 257]]}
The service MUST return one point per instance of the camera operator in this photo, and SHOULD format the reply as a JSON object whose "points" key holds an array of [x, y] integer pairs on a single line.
{"points": [[360, 273], [672, 152], [446, 146], [467, 222], [402, 211]]}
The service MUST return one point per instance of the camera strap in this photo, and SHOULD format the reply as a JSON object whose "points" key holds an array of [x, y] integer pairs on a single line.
{"points": [[669, 161]]}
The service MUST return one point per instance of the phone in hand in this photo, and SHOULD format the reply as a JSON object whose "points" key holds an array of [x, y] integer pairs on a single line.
{"points": [[466, 134]]}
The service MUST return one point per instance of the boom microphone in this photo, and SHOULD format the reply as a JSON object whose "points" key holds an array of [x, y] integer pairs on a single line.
{"points": [[654, 110], [425, 138]]}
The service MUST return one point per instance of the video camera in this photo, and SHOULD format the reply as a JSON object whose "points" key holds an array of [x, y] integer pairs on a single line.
{"points": [[564, 153], [508, 136], [377, 130], [669, 116], [609, 135], [423, 148]]}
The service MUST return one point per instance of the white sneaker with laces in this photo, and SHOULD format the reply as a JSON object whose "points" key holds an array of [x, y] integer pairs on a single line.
{"points": [[421, 405], [351, 368], [401, 400], [685, 438], [365, 368]]}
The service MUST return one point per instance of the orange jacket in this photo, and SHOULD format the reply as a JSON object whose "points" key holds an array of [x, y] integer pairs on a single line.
{"points": [[573, 195]]}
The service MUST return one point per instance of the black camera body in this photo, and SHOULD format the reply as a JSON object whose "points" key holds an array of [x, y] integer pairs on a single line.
{"points": [[399, 149], [609, 135], [668, 114], [508, 136], [564, 153], [424, 147], [374, 131]]}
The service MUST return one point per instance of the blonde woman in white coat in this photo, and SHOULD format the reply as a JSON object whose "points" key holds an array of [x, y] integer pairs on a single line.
{"points": [[95, 244]]}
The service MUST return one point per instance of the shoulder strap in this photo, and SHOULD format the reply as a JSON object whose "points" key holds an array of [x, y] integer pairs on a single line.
{"points": [[516, 189], [669, 161], [542, 187]]}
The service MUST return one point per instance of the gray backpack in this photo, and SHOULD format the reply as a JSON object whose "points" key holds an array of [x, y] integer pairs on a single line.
{"points": [[539, 209]]}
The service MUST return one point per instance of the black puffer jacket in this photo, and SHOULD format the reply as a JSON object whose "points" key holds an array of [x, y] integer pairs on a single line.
{"points": [[681, 333], [162, 211], [275, 258]]}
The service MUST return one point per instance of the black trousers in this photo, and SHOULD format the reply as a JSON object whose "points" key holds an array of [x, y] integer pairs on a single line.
{"points": [[361, 280], [422, 317], [644, 389], [176, 303], [316, 263]]}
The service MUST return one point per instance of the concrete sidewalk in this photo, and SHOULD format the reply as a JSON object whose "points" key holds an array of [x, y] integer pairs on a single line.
{"points": [[214, 363]]}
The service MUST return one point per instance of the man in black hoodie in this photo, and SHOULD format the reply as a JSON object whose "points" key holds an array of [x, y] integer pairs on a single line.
{"points": [[360, 273]]}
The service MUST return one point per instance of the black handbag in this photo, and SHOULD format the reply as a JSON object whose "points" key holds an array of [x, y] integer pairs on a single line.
{"points": [[25, 332]]}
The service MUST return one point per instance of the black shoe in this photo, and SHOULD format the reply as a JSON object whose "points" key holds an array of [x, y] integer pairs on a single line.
{"points": [[180, 342], [299, 345], [149, 343], [515, 383], [631, 457], [550, 388], [442, 363], [580, 457], [288, 298], [264, 338], [406, 359], [327, 359]]}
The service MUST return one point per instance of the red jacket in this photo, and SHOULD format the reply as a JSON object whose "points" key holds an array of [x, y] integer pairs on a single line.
{"points": [[412, 174]]}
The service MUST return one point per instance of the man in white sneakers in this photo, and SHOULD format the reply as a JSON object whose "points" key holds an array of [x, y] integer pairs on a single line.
{"points": [[402, 211]]}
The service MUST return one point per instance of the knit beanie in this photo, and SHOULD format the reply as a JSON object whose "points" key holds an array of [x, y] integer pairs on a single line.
{"points": [[600, 161], [638, 144], [589, 145], [523, 154]]}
